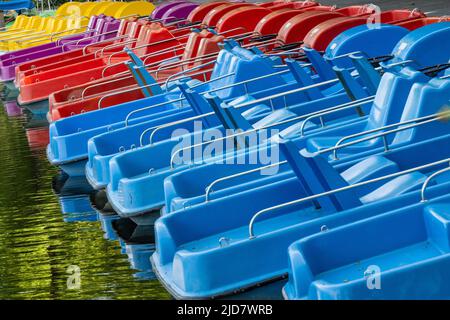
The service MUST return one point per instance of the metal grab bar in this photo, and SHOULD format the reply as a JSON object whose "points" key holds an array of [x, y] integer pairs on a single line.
{"points": [[130, 77], [120, 37], [138, 88], [327, 193], [65, 31], [152, 44], [186, 61], [114, 45], [427, 182], [182, 64], [174, 123], [86, 31], [407, 125], [169, 78], [345, 55], [45, 35], [209, 189], [165, 41], [321, 114], [170, 65], [153, 54], [278, 95], [147, 108], [342, 106], [10, 37], [77, 42]]}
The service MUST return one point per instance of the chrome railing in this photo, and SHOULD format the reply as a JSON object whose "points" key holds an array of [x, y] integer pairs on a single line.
{"points": [[327, 193]]}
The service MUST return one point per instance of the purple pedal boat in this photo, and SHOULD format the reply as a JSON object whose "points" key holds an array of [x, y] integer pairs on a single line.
{"points": [[100, 28], [160, 10]]}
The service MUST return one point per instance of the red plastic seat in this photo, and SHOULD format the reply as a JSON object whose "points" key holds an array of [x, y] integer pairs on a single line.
{"points": [[320, 36]]}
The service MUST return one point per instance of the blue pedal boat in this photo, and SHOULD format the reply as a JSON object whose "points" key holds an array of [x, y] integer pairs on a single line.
{"points": [[62, 152], [408, 260], [213, 181], [69, 136], [348, 42], [256, 226], [143, 193]]}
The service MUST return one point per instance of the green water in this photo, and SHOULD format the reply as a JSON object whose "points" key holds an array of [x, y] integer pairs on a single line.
{"points": [[37, 246]]}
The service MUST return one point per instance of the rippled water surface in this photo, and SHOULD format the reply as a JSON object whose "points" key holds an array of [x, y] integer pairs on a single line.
{"points": [[38, 243]]}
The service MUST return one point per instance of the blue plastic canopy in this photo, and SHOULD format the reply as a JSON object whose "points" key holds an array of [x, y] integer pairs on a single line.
{"points": [[16, 5]]}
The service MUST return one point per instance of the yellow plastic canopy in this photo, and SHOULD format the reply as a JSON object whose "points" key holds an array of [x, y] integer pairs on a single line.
{"points": [[70, 18]]}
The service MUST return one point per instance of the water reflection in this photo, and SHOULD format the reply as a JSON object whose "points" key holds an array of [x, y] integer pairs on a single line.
{"points": [[48, 224]]}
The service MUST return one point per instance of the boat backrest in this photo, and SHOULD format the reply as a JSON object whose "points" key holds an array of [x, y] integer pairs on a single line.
{"points": [[321, 35], [246, 65], [180, 11], [108, 27], [368, 41], [426, 46], [425, 99], [193, 43], [316, 175], [392, 95]]}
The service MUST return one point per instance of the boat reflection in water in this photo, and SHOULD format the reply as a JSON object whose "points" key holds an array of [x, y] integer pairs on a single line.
{"points": [[12, 109], [136, 241]]}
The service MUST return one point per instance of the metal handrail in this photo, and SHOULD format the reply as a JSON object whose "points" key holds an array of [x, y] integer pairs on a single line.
{"points": [[327, 193], [209, 189], [428, 180], [10, 37], [174, 123], [407, 125], [345, 55], [279, 95], [182, 64], [139, 88], [151, 44], [77, 42], [342, 106], [87, 31], [188, 70], [321, 114], [153, 54], [124, 36], [45, 35], [130, 77], [65, 31], [115, 45], [171, 65], [245, 82], [147, 108]]}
